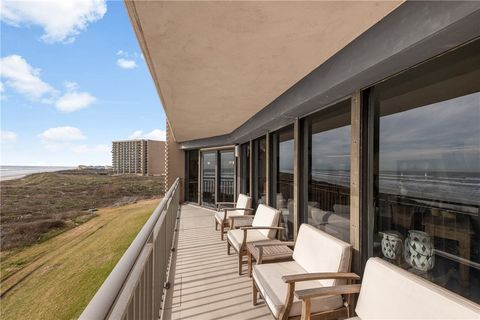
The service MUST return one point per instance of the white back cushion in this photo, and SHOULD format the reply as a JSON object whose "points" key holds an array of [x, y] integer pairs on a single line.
{"points": [[266, 216], [317, 251], [389, 292], [243, 202]]}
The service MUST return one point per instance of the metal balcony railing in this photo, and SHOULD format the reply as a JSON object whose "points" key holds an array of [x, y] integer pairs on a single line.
{"points": [[135, 287]]}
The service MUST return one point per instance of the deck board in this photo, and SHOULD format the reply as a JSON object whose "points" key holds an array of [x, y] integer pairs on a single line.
{"points": [[206, 282]]}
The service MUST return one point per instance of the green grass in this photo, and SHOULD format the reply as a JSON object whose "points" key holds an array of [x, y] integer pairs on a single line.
{"points": [[41, 205], [57, 278]]}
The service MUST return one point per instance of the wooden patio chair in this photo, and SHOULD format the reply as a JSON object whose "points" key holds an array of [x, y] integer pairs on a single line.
{"points": [[264, 228], [243, 207], [389, 292], [319, 260]]}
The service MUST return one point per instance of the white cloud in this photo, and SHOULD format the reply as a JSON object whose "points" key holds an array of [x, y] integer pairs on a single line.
{"points": [[61, 20], [1, 87], [99, 148], [73, 101], [23, 78], [7, 136], [61, 135], [126, 63], [155, 134]]}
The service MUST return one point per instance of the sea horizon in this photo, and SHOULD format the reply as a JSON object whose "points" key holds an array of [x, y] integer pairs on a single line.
{"points": [[10, 172]]}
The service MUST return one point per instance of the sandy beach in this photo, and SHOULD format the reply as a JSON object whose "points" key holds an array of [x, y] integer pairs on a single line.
{"points": [[17, 172]]}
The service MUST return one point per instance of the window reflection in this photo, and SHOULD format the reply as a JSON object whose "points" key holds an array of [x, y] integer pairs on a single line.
{"points": [[328, 205], [283, 188], [428, 174], [227, 172]]}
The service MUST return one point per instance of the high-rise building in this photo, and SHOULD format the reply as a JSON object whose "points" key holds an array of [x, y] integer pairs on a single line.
{"points": [[145, 157]]}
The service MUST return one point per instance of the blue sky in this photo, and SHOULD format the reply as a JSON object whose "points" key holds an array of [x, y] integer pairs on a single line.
{"points": [[71, 86]]}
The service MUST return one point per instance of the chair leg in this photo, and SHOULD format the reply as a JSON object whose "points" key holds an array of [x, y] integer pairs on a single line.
{"points": [[240, 262], [254, 293], [222, 228], [249, 257], [216, 225], [228, 247]]}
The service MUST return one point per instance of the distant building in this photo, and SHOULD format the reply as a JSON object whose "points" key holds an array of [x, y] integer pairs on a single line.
{"points": [[145, 157]]}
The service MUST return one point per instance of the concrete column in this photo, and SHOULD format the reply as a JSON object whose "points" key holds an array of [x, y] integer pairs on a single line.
{"points": [[174, 163], [355, 177], [297, 163]]}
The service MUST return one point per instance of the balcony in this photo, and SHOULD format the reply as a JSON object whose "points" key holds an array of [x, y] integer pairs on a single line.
{"points": [[206, 281], [176, 268]]}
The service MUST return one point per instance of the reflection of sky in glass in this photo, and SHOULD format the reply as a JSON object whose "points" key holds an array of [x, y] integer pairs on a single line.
{"points": [[209, 163], [227, 164], [331, 150], [286, 156], [433, 152], [441, 137]]}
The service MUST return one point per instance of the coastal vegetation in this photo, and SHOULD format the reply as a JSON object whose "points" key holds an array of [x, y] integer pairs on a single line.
{"points": [[40, 206], [55, 279]]}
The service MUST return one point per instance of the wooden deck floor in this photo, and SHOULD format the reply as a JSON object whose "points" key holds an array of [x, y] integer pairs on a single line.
{"points": [[206, 282]]}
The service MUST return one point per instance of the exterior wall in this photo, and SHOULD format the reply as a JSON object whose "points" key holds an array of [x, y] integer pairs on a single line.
{"points": [[175, 163], [129, 156], [155, 157]]}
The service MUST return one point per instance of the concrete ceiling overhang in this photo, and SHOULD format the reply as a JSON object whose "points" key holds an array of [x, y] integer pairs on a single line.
{"points": [[216, 64]]}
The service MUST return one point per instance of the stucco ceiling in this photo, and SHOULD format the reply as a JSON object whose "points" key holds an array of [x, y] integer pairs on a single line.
{"points": [[216, 64]]}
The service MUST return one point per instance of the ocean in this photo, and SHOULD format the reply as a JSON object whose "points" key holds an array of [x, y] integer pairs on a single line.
{"points": [[16, 172]]}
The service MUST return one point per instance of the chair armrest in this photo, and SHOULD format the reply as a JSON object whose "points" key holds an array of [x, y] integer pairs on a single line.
{"points": [[225, 210], [262, 228], [221, 204], [320, 276], [275, 244], [244, 217], [327, 291]]}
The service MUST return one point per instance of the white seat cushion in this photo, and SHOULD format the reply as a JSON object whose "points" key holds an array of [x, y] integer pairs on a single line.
{"points": [[266, 216], [268, 278], [317, 251], [235, 237], [389, 292], [243, 201]]}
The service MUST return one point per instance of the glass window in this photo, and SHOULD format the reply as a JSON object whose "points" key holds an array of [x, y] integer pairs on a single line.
{"points": [[260, 171], [227, 176], [427, 171], [329, 134], [191, 179], [282, 179], [209, 162], [245, 168]]}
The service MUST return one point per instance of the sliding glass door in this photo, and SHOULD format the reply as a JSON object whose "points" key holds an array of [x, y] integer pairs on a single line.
{"points": [[209, 180], [218, 176]]}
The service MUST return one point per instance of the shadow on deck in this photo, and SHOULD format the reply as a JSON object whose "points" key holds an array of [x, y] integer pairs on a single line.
{"points": [[206, 283]]}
